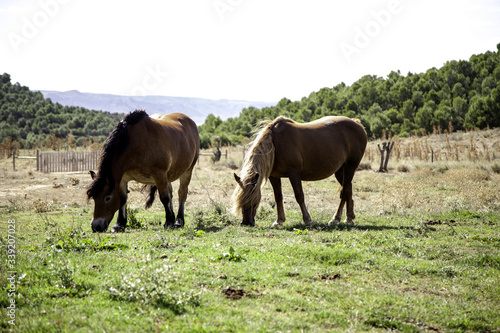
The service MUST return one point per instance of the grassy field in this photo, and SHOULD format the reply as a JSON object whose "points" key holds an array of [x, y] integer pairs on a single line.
{"points": [[424, 255]]}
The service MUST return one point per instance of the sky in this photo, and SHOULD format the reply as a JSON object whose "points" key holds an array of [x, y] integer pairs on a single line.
{"points": [[254, 50]]}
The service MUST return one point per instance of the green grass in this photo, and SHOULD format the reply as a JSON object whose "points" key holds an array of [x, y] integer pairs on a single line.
{"points": [[410, 273]]}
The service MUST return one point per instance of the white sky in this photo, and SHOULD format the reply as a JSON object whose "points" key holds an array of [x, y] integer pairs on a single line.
{"points": [[257, 50]]}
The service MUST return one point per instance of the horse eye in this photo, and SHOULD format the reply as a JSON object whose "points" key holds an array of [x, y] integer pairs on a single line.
{"points": [[107, 199]]}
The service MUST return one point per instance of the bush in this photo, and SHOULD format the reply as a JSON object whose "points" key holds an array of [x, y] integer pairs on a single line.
{"points": [[495, 168]]}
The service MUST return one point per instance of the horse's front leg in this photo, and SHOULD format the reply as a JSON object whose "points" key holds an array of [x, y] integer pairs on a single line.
{"points": [[299, 196], [278, 197], [183, 192], [121, 221]]}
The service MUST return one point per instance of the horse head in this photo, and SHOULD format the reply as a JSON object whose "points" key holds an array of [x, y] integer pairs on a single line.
{"points": [[247, 198], [107, 200]]}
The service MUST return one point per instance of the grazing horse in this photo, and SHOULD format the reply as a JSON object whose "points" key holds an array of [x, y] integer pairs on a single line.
{"points": [[310, 151], [154, 151]]}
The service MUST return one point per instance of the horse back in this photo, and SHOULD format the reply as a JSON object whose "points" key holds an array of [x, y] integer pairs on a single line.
{"points": [[319, 148], [167, 142]]}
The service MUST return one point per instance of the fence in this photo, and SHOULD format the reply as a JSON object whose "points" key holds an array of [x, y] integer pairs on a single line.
{"points": [[67, 161], [63, 161]]}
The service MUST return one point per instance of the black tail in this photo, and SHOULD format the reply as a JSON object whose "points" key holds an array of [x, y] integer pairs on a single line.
{"points": [[152, 192]]}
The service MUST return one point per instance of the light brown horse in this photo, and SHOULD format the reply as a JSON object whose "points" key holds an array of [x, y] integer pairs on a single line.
{"points": [[310, 151], [153, 151]]}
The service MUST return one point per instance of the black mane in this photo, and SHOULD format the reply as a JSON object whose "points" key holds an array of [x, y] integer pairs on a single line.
{"points": [[116, 143]]}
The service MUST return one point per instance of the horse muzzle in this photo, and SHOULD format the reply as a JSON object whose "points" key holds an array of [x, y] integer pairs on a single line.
{"points": [[99, 225], [248, 222]]}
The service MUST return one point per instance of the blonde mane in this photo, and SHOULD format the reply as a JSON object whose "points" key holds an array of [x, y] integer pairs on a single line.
{"points": [[259, 159]]}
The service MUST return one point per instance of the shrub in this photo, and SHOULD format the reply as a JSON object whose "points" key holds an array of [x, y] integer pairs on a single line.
{"points": [[403, 168], [495, 168]]}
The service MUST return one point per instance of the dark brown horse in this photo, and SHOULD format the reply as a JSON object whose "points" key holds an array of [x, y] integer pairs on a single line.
{"points": [[311, 151], [154, 151]]}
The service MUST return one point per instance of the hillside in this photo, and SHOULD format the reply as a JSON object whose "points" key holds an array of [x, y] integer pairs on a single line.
{"points": [[460, 95], [29, 118], [196, 108]]}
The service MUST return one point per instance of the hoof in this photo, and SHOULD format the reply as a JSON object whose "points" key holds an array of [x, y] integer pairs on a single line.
{"points": [[168, 226], [277, 224], [178, 224], [118, 228], [248, 223], [349, 221], [333, 222]]}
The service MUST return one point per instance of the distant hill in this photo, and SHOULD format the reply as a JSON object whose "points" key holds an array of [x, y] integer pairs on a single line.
{"points": [[33, 121], [196, 108]]}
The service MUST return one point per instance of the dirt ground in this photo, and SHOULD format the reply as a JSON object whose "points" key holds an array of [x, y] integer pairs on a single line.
{"points": [[27, 187], [412, 183]]}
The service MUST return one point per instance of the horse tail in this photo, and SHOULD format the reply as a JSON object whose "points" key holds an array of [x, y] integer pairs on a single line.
{"points": [[151, 198]]}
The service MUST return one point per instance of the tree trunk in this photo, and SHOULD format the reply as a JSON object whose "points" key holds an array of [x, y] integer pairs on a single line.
{"points": [[382, 152], [388, 148], [385, 152]]}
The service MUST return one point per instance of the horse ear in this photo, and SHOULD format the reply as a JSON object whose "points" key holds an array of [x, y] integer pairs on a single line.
{"points": [[238, 180], [255, 179], [92, 174]]}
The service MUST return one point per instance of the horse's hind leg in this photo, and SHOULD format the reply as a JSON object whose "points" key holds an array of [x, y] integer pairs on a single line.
{"points": [[347, 192], [338, 216], [344, 176], [165, 192], [183, 192]]}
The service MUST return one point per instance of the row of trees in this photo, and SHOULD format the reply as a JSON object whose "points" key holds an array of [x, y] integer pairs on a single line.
{"points": [[30, 119], [460, 95]]}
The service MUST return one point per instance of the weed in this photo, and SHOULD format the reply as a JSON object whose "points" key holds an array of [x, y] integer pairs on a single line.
{"points": [[403, 168], [217, 215], [442, 168], [73, 240], [364, 166], [495, 168], [300, 232], [74, 181], [150, 286], [42, 206], [229, 256], [64, 282], [14, 206], [132, 220]]}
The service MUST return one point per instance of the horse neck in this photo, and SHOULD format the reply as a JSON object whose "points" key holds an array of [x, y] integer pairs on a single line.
{"points": [[261, 156], [119, 166]]}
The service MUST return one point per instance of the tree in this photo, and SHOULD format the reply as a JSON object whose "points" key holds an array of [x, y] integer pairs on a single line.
{"points": [[477, 116], [424, 116]]}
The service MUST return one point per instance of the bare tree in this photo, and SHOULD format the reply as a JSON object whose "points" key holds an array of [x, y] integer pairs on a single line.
{"points": [[385, 150]]}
